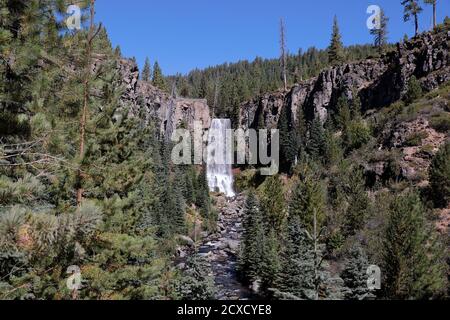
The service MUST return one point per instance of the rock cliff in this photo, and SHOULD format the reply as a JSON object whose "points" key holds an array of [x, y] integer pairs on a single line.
{"points": [[150, 103], [378, 82]]}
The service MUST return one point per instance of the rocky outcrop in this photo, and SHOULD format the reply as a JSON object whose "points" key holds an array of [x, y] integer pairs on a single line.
{"points": [[150, 103], [415, 144], [378, 82]]}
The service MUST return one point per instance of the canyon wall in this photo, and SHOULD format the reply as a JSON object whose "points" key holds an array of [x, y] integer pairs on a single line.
{"points": [[150, 103], [378, 82]]}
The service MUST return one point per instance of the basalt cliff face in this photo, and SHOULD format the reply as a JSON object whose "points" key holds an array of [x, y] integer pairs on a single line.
{"points": [[378, 82], [150, 103]]}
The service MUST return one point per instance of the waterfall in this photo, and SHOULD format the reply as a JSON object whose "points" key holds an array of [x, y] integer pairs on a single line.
{"points": [[220, 156]]}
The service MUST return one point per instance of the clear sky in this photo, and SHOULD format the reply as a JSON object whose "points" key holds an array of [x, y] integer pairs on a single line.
{"points": [[187, 34]]}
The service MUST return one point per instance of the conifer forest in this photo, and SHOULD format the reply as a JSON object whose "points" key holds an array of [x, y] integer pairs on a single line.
{"points": [[94, 205]]}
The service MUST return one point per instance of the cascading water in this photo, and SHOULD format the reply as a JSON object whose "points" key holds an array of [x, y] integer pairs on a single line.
{"points": [[220, 156]]}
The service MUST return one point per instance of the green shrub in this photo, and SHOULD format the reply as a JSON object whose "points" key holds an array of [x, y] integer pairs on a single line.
{"points": [[415, 139], [414, 91], [440, 176], [356, 134], [441, 122]]}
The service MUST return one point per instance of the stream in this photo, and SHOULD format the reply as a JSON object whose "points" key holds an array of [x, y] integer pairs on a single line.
{"points": [[221, 249]]}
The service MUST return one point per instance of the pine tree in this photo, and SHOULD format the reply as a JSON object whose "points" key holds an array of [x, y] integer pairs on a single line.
{"points": [[316, 142], [414, 91], [196, 284], [355, 131], [289, 141], [272, 202], [355, 275], [381, 34], [336, 48], [440, 176], [252, 245], [333, 152], [86, 98], [202, 198], [297, 279], [146, 74], [434, 4], [175, 209], [412, 9], [358, 203], [158, 78], [308, 201], [412, 266], [270, 262], [344, 115]]}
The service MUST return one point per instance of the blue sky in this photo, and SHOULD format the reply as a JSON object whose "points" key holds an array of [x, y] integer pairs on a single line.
{"points": [[187, 34]]}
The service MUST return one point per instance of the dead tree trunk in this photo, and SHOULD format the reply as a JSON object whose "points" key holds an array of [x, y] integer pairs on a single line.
{"points": [[283, 52]]}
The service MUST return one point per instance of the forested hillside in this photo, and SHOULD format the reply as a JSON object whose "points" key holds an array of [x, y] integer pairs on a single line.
{"points": [[82, 182], [227, 86], [92, 207], [365, 179]]}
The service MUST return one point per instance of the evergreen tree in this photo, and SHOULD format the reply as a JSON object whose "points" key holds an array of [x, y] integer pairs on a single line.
{"points": [[414, 91], [158, 78], [381, 34], [355, 131], [440, 176], [412, 266], [344, 115], [146, 74], [175, 208], [270, 261], [297, 277], [316, 142], [412, 10], [87, 78], [202, 199], [272, 202], [307, 201], [289, 141], [196, 284], [252, 245], [336, 48], [333, 146], [358, 203], [355, 275]]}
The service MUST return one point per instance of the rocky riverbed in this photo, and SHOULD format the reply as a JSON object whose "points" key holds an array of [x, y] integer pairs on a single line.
{"points": [[221, 249]]}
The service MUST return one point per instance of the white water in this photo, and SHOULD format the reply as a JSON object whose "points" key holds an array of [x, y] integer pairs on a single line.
{"points": [[220, 155]]}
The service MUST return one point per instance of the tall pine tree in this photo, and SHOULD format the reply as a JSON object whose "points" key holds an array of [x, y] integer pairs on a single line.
{"points": [[146, 74], [336, 48], [412, 10], [412, 262]]}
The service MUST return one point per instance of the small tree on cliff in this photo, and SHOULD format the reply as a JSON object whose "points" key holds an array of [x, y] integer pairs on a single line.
{"points": [[412, 10], [380, 34], [158, 78], [146, 72], [414, 90], [336, 48]]}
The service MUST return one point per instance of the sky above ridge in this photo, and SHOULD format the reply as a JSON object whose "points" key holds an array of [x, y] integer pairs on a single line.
{"points": [[183, 35]]}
